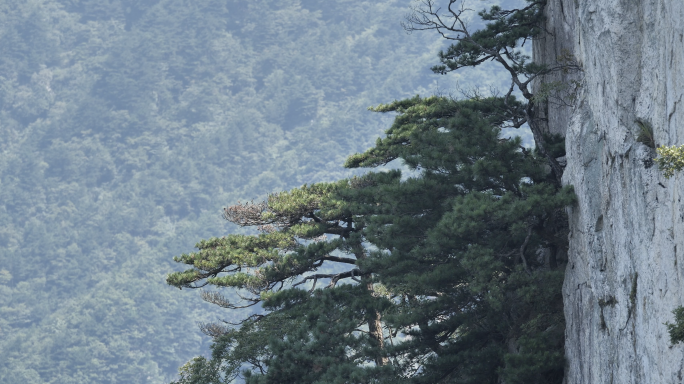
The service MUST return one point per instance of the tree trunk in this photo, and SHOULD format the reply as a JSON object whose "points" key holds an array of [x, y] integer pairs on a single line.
{"points": [[374, 317], [375, 329]]}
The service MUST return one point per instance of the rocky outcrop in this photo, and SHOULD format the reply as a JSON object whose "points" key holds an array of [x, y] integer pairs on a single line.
{"points": [[625, 271]]}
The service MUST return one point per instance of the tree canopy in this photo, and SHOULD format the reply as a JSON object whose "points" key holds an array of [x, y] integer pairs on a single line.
{"points": [[446, 261], [450, 272]]}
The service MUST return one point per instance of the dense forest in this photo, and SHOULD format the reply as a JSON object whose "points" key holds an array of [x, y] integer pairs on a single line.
{"points": [[126, 127]]}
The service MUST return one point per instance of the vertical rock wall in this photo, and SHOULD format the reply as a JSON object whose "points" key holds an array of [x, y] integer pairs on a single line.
{"points": [[625, 272]]}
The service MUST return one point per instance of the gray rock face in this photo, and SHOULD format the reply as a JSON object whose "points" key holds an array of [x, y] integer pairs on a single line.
{"points": [[625, 272]]}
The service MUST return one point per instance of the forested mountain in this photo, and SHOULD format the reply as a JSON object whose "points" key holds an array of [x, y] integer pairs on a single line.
{"points": [[125, 127]]}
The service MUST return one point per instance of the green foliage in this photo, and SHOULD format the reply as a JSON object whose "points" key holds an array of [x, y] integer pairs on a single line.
{"points": [[500, 41], [454, 247], [319, 326], [326, 346], [249, 343], [670, 159], [645, 134], [676, 329], [458, 247], [420, 116], [555, 145], [506, 30], [459, 261]]}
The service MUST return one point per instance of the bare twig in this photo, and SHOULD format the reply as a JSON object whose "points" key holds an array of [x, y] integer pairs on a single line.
{"points": [[213, 330]]}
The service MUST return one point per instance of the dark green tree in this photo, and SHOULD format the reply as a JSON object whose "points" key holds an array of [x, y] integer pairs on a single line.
{"points": [[302, 232], [451, 259], [500, 41], [457, 268], [676, 329], [467, 248]]}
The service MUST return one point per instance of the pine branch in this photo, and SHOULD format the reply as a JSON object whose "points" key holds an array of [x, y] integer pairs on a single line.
{"points": [[334, 277]]}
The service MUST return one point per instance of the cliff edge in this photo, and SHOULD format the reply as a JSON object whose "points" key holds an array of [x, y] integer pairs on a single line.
{"points": [[625, 271]]}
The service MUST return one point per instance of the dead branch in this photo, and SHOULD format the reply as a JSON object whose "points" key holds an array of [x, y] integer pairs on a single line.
{"points": [[213, 330], [246, 214]]}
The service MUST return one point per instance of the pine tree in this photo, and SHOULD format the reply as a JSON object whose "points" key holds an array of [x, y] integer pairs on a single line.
{"points": [[449, 257], [301, 231], [453, 273], [505, 32], [458, 246]]}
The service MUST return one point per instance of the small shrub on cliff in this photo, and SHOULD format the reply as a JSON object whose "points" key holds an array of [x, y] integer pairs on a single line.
{"points": [[645, 134], [676, 330], [670, 159]]}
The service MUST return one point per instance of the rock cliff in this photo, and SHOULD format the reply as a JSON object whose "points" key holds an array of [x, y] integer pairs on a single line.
{"points": [[625, 271]]}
